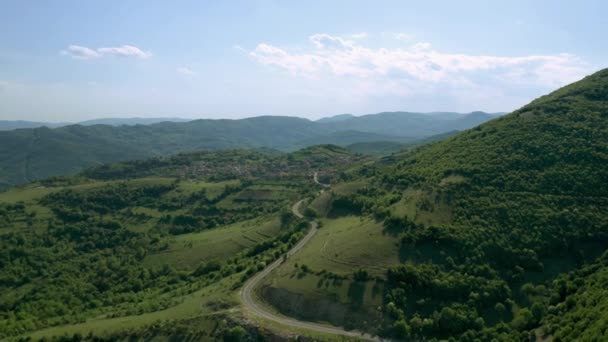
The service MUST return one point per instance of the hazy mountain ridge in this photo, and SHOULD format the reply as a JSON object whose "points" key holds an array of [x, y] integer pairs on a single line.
{"points": [[335, 118], [129, 121], [29, 154], [7, 125]]}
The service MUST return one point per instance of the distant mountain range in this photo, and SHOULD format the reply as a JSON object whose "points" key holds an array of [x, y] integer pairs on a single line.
{"points": [[7, 125], [408, 124], [34, 153], [336, 118]]}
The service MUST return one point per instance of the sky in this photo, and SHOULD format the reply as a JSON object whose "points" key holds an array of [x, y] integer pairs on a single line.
{"points": [[78, 60]]}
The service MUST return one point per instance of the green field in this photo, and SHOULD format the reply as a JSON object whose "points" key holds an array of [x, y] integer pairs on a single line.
{"points": [[346, 243], [186, 251]]}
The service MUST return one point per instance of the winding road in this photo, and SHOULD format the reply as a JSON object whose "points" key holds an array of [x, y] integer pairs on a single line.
{"points": [[315, 177], [258, 310]]}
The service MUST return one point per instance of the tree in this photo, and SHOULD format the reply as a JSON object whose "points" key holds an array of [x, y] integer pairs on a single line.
{"points": [[538, 310], [287, 218], [310, 213], [207, 267], [235, 334], [401, 329], [523, 320], [500, 309], [360, 275]]}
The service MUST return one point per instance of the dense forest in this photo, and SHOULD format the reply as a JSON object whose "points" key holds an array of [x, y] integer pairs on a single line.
{"points": [[522, 205]]}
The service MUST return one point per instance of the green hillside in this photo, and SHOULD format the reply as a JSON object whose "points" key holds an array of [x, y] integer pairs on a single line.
{"points": [[124, 245], [498, 229], [387, 147]]}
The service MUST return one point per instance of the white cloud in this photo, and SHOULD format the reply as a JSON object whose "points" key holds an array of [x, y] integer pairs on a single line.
{"points": [[185, 71], [80, 52], [124, 51], [83, 52], [419, 66]]}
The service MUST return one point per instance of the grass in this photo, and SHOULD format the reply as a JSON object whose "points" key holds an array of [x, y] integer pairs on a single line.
{"points": [[349, 187], [196, 304], [25, 193], [344, 244], [213, 189], [422, 207], [257, 194], [34, 191], [188, 250], [322, 203]]}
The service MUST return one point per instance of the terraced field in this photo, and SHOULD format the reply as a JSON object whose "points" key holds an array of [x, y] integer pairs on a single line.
{"points": [[188, 250]]}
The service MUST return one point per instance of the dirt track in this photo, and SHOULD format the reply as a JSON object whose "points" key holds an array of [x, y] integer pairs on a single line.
{"points": [[258, 310]]}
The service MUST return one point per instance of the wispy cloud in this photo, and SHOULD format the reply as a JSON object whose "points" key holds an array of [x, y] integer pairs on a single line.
{"points": [[83, 52], [240, 48], [80, 52], [124, 51], [418, 65], [186, 71]]}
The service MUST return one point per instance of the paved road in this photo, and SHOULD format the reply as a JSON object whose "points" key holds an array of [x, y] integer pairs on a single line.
{"points": [[316, 179], [258, 310]]}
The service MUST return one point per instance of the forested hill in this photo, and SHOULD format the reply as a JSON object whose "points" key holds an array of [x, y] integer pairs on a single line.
{"points": [[125, 243], [29, 154], [515, 213], [557, 144]]}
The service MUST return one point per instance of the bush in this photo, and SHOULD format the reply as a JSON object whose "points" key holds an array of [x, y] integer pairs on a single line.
{"points": [[401, 329], [235, 334], [523, 320], [310, 213], [361, 275]]}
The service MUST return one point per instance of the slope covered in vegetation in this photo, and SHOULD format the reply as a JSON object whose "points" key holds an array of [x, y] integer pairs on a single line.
{"points": [[500, 232], [490, 218], [141, 239], [496, 233]]}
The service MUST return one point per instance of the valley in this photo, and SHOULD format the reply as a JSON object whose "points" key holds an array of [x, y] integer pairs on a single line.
{"points": [[318, 171], [495, 233]]}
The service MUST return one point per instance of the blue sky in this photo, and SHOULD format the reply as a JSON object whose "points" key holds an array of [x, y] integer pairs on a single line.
{"points": [[76, 60]]}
